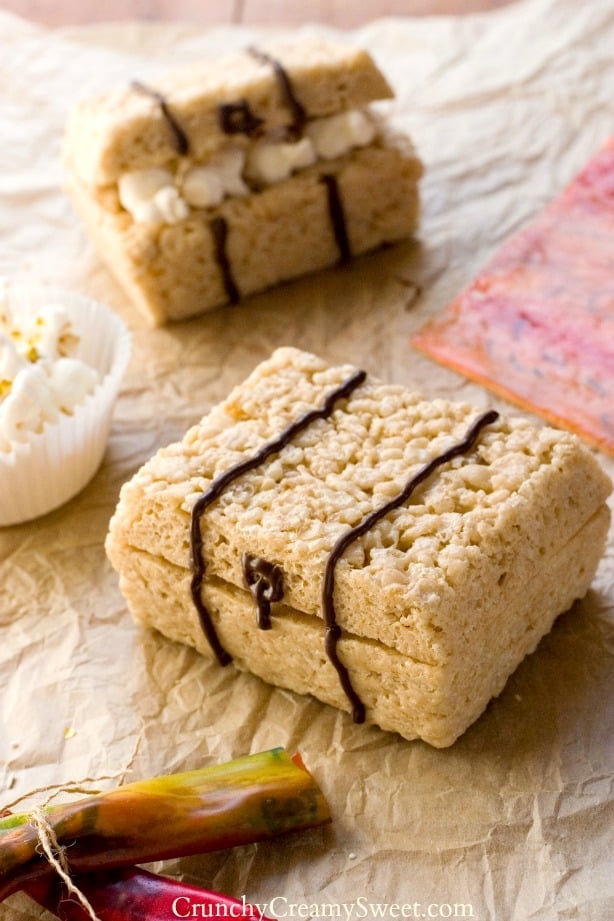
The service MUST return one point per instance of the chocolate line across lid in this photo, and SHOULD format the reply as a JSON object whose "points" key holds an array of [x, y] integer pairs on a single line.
{"points": [[219, 230], [180, 138], [333, 631], [295, 107], [219, 485], [337, 216]]}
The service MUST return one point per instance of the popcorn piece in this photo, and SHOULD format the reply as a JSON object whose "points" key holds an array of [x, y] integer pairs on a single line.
{"points": [[28, 406], [39, 378], [50, 333], [71, 381], [11, 362]]}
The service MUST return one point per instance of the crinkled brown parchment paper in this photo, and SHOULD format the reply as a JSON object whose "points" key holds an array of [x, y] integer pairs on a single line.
{"points": [[512, 823]]}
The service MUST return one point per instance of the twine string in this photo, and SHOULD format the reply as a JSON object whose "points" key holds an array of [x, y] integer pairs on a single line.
{"points": [[56, 855]]}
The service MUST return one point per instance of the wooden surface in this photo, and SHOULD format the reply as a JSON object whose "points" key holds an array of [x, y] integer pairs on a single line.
{"points": [[340, 13]]}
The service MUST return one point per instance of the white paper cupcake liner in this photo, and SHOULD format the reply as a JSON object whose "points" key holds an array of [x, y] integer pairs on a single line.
{"points": [[52, 466]]}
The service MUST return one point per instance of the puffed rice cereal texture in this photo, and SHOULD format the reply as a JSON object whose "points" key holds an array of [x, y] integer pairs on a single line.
{"points": [[437, 603]]}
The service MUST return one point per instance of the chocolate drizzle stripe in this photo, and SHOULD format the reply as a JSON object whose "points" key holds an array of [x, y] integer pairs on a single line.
{"points": [[337, 216], [219, 231], [297, 110], [180, 138], [219, 485], [333, 631]]}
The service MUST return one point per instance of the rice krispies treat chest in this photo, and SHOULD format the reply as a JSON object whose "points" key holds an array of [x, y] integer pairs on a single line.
{"points": [[390, 555], [231, 176]]}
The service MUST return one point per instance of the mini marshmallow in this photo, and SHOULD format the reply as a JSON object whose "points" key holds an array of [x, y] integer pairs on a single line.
{"points": [[49, 332], [138, 187], [156, 195], [270, 163], [231, 164], [337, 135], [207, 185], [150, 195], [203, 187], [170, 205]]}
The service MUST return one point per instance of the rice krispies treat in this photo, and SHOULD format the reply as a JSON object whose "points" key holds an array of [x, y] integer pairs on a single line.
{"points": [[172, 272], [125, 129], [190, 216], [437, 603]]}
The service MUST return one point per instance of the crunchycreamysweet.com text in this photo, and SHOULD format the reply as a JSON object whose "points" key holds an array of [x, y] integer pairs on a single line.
{"points": [[280, 907]]}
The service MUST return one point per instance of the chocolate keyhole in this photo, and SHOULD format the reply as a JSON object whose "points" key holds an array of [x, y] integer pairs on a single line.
{"points": [[238, 118], [265, 582]]}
